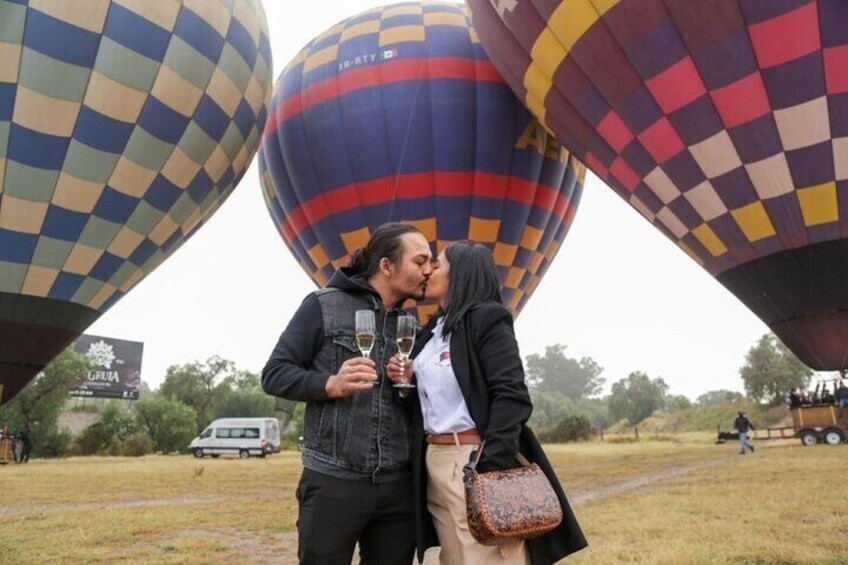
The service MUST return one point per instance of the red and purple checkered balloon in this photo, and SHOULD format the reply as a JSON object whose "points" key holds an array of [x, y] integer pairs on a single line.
{"points": [[723, 122]]}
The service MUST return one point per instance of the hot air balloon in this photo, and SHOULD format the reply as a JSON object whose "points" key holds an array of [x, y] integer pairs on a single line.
{"points": [[398, 115], [723, 122], [123, 126]]}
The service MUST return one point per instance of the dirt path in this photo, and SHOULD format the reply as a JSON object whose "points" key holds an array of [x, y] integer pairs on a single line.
{"points": [[282, 548], [582, 497]]}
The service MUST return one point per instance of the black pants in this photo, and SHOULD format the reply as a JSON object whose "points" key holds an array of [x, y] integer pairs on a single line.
{"points": [[336, 513]]}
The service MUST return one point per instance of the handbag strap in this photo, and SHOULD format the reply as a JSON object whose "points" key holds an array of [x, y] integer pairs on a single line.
{"points": [[472, 465]]}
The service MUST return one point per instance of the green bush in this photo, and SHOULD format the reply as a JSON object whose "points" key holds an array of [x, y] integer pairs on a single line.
{"points": [[576, 427], [91, 441], [135, 445], [53, 444]]}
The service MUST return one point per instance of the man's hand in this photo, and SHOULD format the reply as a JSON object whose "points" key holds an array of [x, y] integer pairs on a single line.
{"points": [[394, 372], [354, 375]]}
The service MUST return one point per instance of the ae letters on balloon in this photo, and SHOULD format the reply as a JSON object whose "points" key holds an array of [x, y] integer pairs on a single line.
{"points": [[534, 135]]}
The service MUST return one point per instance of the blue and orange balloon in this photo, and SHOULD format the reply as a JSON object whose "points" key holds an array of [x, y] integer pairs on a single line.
{"points": [[723, 122], [123, 126], [397, 114]]}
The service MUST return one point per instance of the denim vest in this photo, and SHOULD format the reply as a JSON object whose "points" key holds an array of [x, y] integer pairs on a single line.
{"points": [[366, 435]]}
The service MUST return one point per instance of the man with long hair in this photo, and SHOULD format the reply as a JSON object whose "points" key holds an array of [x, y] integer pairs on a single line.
{"points": [[357, 481]]}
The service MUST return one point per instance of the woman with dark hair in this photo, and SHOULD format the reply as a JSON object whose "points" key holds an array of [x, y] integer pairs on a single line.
{"points": [[470, 387]]}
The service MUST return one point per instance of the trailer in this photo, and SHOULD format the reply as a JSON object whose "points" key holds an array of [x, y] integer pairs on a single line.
{"points": [[7, 450], [819, 424]]}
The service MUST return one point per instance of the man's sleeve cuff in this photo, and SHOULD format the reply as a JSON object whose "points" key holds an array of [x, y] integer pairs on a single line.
{"points": [[316, 387]]}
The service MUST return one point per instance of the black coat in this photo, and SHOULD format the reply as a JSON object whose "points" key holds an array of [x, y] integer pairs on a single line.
{"points": [[488, 368]]}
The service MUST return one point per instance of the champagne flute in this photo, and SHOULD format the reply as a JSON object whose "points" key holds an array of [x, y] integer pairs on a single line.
{"points": [[365, 328], [406, 327]]}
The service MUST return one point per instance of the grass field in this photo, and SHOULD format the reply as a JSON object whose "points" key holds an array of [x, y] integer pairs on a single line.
{"points": [[679, 501]]}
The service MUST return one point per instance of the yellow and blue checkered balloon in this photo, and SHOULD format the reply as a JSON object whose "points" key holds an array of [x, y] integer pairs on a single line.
{"points": [[124, 124]]}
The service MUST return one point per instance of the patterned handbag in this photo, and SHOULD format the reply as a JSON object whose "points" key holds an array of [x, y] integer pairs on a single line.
{"points": [[511, 505]]}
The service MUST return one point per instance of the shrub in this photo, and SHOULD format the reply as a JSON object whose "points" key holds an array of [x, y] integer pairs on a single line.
{"points": [[54, 444], [576, 427], [91, 441], [136, 445]]}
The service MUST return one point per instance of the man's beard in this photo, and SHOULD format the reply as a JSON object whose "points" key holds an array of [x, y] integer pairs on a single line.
{"points": [[419, 294]]}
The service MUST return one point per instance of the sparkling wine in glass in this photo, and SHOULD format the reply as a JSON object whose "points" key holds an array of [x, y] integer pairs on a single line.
{"points": [[365, 331], [406, 327]]}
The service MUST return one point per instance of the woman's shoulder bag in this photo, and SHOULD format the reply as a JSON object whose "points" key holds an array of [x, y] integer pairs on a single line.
{"points": [[506, 506]]}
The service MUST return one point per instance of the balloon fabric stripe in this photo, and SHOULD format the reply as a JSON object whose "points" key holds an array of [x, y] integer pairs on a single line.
{"points": [[380, 75], [424, 185]]}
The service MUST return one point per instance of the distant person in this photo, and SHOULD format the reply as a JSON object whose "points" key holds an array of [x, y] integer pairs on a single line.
{"points": [[743, 425], [805, 398], [26, 446], [5, 444], [795, 398], [841, 397], [356, 484], [16, 446], [826, 396]]}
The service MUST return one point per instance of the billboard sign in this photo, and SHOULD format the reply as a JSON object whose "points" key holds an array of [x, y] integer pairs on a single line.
{"points": [[115, 367]]}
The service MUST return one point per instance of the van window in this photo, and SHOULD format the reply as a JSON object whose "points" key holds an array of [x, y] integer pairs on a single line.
{"points": [[238, 433], [206, 433]]}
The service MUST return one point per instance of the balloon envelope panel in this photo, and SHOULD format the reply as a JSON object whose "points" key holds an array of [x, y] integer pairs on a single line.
{"points": [[123, 126], [398, 115], [723, 122]]}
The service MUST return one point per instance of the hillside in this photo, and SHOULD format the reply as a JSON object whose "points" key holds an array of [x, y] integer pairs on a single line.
{"points": [[708, 418]]}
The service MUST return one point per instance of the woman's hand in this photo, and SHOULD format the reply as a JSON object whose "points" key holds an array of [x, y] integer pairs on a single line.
{"points": [[397, 374]]}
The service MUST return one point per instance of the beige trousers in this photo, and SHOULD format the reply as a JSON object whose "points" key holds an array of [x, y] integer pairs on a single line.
{"points": [[446, 502]]}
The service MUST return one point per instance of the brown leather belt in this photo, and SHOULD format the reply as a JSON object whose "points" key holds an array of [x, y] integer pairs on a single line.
{"points": [[467, 437]]}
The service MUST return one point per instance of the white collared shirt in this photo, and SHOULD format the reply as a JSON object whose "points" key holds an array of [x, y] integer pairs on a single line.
{"points": [[442, 403]]}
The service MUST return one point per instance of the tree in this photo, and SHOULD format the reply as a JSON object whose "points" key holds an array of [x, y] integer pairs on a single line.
{"points": [[637, 397], [245, 399], [169, 423], [36, 408], [201, 386], [288, 412], [771, 371], [554, 372], [549, 409], [118, 422], [719, 397], [677, 402]]}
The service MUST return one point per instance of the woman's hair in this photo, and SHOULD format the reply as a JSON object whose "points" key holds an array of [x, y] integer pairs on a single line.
{"points": [[473, 279], [385, 242]]}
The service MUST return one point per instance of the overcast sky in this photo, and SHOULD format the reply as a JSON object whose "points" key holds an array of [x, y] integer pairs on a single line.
{"points": [[618, 291]]}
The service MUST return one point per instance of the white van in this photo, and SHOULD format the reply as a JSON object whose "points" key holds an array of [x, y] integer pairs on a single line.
{"points": [[238, 436]]}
